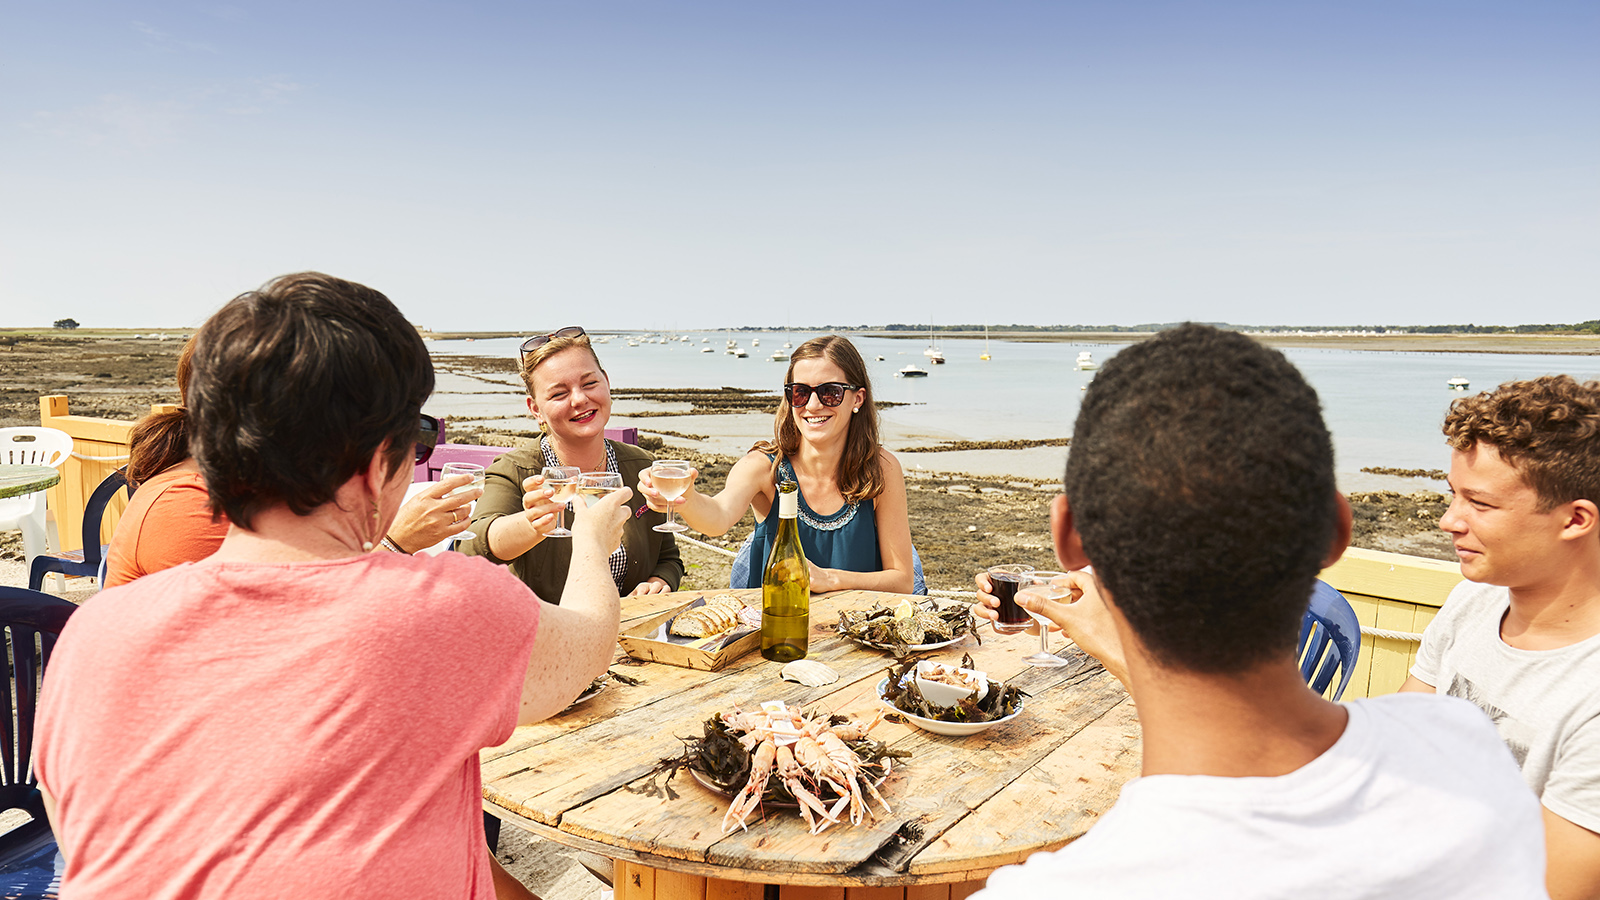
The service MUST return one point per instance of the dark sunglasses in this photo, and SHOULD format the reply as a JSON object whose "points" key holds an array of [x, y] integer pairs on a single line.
{"points": [[534, 343], [427, 438], [831, 393]]}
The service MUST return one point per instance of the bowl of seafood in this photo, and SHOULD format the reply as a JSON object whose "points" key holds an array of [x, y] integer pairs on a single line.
{"points": [[824, 766], [970, 714], [908, 626], [946, 685]]}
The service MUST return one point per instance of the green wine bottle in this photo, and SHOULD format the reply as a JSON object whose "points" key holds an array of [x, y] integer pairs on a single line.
{"points": [[786, 587]]}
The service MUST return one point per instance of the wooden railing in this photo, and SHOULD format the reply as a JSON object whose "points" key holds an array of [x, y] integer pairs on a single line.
{"points": [[1396, 593], [99, 446]]}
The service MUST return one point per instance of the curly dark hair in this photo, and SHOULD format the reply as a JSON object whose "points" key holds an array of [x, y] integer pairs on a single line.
{"points": [[1201, 479], [295, 386], [1547, 428]]}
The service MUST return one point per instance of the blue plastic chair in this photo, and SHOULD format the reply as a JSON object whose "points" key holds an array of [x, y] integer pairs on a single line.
{"points": [[1330, 641], [30, 864], [742, 560], [89, 560]]}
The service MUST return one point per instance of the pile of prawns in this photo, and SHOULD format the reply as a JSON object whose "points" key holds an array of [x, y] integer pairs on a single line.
{"points": [[806, 753]]}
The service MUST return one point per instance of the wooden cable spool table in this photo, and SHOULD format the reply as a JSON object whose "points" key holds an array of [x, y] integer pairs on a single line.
{"points": [[962, 806]]}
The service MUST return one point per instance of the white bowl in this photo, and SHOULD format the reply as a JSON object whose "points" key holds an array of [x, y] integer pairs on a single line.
{"points": [[940, 694], [954, 729]]}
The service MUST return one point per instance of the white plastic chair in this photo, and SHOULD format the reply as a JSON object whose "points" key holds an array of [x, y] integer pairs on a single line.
{"points": [[30, 446]]}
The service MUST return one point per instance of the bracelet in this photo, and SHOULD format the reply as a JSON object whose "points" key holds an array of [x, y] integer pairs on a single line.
{"points": [[389, 544]]}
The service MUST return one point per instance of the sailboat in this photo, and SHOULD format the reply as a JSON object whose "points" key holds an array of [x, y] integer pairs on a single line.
{"points": [[932, 353], [985, 342]]}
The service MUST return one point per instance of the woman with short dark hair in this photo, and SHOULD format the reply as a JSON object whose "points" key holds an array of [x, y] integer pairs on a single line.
{"points": [[297, 716], [169, 520]]}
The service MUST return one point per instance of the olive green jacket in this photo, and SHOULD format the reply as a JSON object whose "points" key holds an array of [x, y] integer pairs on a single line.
{"points": [[544, 568]]}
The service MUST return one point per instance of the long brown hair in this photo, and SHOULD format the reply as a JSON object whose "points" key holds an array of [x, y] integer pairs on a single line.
{"points": [[860, 469], [161, 440]]}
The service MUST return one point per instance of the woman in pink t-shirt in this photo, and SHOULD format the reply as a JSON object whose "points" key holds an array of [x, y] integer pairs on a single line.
{"points": [[295, 715]]}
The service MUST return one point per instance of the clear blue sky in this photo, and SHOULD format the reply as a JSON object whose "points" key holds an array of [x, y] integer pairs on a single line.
{"points": [[531, 165]]}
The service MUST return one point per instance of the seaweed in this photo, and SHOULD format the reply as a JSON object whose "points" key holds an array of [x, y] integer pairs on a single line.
{"points": [[903, 694]]}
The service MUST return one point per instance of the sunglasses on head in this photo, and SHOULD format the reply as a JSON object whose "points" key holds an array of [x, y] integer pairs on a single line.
{"points": [[427, 438], [831, 393], [537, 341]]}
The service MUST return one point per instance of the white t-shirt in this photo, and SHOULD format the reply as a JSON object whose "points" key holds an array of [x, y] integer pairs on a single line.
{"points": [[1544, 703], [1417, 799]]}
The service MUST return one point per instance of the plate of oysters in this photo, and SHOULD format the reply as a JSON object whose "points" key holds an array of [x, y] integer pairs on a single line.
{"points": [[911, 625]]}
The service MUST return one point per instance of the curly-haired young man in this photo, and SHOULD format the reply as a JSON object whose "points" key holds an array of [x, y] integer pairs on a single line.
{"points": [[1521, 636], [1201, 487]]}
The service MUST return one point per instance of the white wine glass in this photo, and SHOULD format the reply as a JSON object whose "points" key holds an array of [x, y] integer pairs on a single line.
{"points": [[594, 485], [474, 470], [671, 478], [564, 479], [1048, 586]]}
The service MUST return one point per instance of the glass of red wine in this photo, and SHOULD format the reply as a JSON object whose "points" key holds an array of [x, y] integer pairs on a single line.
{"points": [[1003, 583]]}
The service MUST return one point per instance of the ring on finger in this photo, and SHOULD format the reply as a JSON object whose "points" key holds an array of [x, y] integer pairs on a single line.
{"points": [[454, 517]]}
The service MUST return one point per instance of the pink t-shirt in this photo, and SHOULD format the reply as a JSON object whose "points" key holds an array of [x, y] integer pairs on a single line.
{"points": [[294, 730]]}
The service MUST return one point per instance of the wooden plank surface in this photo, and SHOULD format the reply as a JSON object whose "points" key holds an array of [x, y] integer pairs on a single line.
{"points": [[570, 776], [1048, 806], [1394, 576]]}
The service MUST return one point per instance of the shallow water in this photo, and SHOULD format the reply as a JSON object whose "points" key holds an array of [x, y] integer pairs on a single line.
{"points": [[1383, 407]]}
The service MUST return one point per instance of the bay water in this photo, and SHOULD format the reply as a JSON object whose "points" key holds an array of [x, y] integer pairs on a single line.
{"points": [[1383, 407]]}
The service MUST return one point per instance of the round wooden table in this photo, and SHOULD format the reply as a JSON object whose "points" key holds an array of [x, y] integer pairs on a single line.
{"points": [[18, 480], [962, 806]]}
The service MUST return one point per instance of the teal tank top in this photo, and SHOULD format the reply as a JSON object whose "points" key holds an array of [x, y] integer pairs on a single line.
{"points": [[846, 540]]}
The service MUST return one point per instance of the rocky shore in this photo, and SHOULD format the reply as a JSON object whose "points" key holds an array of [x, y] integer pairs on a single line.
{"points": [[961, 523]]}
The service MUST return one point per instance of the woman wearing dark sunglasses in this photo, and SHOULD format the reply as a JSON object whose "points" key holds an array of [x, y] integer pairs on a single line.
{"points": [[853, 521], [570, 396], [168, 520]]}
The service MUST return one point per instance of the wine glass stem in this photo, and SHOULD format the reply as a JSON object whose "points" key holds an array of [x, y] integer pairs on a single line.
{"points": [[561, 517], [1044, 640]]}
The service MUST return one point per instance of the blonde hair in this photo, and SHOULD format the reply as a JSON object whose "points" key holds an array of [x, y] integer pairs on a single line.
{"points": [[860, 469], [538, 355]]}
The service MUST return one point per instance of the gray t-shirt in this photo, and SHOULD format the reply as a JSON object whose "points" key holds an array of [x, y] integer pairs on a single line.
{"points": [[1544, 703]]}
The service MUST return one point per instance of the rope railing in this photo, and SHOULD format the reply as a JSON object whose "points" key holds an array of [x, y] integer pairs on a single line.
{"points": [[705, 546]]}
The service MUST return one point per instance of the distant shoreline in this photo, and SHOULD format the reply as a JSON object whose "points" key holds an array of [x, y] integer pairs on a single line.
{"points": [[1546, 344]]}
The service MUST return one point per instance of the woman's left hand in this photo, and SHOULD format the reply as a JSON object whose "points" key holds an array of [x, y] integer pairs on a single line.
{"points": [[651, 586], [431, 517]]}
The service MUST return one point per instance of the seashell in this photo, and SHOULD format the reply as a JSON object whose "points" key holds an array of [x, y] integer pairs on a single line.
{"points": [[810, 673]]}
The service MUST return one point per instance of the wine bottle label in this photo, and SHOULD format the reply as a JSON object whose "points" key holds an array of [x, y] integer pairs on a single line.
{"points": [[788, 504]]}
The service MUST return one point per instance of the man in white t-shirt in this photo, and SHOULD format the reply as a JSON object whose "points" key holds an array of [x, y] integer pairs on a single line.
{"points": [[1201, 487], [1520, 638]]}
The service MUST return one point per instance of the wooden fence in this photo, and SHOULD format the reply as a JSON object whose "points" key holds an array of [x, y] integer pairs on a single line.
{"points": [[99, 446], [1393, 592]]}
